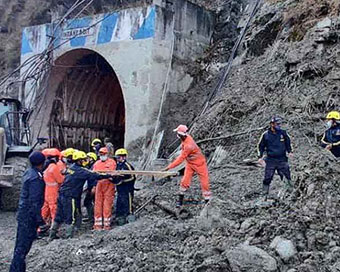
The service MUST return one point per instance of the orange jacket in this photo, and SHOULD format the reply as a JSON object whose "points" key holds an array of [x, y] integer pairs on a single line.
{"points": [[53, 176], [190, 152], [61, 165], [109, 164]]}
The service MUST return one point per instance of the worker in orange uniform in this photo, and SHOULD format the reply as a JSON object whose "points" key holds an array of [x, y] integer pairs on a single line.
{"points": [[62, 162], [53, 179], [195, 163], [105, 191]]}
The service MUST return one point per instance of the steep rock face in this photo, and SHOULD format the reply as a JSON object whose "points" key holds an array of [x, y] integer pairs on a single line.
{"points": [[295, 76]]}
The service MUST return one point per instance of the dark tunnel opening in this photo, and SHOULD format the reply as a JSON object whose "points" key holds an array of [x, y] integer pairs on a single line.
{"points": [[88, 101]]}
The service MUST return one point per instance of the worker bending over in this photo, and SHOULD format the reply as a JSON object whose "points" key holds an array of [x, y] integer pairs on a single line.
{"points": [[195, 163], [29, 211], [275, 142], [331, 138], [105, 191], [69, 192], [125, 188]]}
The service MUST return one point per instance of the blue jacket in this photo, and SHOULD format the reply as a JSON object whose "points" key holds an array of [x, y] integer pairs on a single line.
{"points": [[32, 197], [332, 136], [91, 182], [75, 178], [276, 145], [126, 179]]}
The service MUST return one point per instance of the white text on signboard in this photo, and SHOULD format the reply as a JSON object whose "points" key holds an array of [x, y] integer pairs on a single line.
{"points": [[77, 32]]}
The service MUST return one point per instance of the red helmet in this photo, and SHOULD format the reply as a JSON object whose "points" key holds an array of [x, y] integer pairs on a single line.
{"points": [[103, 150]]}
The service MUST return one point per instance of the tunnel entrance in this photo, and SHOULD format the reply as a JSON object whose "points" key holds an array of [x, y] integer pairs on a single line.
{"points": [[88, 101]]}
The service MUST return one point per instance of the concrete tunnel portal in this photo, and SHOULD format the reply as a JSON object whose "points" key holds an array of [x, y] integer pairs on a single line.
{"points": [[88, 101], [112, 73]]}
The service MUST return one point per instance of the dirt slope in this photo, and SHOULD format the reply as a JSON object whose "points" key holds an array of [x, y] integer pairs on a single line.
{"points": [[277, 73]]}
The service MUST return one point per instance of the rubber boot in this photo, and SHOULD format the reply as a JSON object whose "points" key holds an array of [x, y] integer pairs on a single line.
{"points": [[79, 219], [131, 218], [90, 214], [54, 231], [69, 231], [180, 200], [120, 221], [265, 190]]}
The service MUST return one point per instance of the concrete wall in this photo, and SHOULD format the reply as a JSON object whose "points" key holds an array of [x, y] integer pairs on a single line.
{"points": [[140, 44]]}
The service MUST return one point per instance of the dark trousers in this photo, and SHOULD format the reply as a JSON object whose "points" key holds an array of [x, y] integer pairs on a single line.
{"points": [[282, 168], [89, 199], [124, 205], [26, 234], [67, 210]]}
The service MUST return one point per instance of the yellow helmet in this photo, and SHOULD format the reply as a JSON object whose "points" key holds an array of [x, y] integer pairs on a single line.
{"points": [[67, 152], [121, 152], [92, 155], [333, 115], [95, 141], [79, 155]]}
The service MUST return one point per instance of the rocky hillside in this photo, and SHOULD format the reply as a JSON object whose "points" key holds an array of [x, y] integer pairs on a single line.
{"points": [[288, 65]]}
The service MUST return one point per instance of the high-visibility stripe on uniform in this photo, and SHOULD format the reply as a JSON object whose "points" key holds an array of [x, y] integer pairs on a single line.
{"points": [[107, 222], [130, 203], [98, 221], [258, 144], [52, 184], [74, 209]]}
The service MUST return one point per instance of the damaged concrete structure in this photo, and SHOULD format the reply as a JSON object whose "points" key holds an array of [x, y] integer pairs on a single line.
{"points": [[111, 72]]}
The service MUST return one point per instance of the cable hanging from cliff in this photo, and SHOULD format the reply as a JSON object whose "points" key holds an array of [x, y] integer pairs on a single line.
{"points": [[225, 72]]}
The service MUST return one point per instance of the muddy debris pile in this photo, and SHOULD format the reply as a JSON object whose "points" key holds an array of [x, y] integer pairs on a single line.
{"points": [[274, 74]]}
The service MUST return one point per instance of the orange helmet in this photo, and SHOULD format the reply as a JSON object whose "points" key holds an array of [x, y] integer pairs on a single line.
{"points": [[54, 152], [181, 130], [103, 150], [51, 152], [46, 152]]}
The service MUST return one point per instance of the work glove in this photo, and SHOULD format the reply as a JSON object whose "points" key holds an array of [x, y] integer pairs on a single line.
{"points": [[262, 162]]}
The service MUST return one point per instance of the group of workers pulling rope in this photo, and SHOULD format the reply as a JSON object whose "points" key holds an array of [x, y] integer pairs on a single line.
{"points": [[52, 187]]}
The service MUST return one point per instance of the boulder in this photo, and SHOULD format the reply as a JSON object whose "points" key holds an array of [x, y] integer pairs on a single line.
{"points": [[285, 248], [250, 259]]}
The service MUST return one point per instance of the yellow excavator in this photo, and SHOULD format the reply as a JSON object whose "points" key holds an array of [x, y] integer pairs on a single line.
{"points": [[15, 147]]}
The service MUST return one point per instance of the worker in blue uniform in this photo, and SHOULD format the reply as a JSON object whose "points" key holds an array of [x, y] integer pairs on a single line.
{"points": [[125, 186], [275, 142], [68, 207], [331, 138], [29, 211]]}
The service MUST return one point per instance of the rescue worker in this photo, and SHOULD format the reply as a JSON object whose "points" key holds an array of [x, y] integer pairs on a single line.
{"points": [[105, 191], [90, 191], [62, 162], [96, 145], [29, 211], [331, 137], [67, 156], [53, 179], [275, 142], [76, 175], [125, 188], [109, 146], [195, 163]]}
